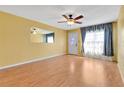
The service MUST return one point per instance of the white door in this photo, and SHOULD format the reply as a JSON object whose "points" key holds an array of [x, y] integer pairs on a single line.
{"points": [[73, 43]]}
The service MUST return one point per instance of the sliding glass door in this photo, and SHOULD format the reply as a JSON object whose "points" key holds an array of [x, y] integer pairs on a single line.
{"points": [[94, 43], [97, 40]]}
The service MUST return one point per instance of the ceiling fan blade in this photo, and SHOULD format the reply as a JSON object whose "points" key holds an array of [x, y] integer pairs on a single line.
{"points": [[78, 22], [65, 17], [62, 21], [79, 17]]}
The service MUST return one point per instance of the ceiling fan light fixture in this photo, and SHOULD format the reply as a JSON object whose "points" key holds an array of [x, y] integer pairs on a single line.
{"points": [[34, 32], [71, 22]]}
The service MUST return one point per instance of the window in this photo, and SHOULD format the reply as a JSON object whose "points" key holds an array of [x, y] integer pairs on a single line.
{"points": [[50, 38], [94, 43]]}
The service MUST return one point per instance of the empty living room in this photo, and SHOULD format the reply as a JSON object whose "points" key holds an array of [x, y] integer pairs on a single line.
{"points": [[61, 45]]}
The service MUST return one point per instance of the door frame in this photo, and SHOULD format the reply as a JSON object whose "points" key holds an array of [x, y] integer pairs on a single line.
{"points": [[77, 43]]}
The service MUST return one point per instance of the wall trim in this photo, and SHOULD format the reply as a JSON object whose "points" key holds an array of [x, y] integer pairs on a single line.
{"points": [[120, 73], [30, 61]]}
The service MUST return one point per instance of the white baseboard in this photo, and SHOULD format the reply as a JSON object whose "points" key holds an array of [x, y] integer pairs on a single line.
{"points": [[30, 61], [120, 73]]}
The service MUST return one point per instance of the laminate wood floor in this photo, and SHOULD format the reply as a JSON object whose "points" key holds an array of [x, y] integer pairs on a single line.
{"points": [[66, 71]]}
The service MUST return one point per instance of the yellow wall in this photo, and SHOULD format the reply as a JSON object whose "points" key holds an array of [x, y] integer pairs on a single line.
{"points": [[121, 40], [15, 44], [115, 41], [36, 38]]}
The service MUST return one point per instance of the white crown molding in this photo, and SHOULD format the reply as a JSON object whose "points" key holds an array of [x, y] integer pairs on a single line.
{"points": [[50, 15]]}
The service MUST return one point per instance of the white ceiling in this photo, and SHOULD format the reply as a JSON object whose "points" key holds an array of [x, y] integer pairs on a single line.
{"points": [[50, 14]]}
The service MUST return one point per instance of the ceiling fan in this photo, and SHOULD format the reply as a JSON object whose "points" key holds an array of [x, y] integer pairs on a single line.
{"points": [[70, 20]]}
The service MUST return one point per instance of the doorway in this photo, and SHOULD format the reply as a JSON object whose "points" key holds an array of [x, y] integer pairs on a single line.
{"points": [[73, 43]]}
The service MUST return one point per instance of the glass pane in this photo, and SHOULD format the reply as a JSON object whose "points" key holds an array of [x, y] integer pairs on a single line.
{"points": [[50, 39], [94, 42]]}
